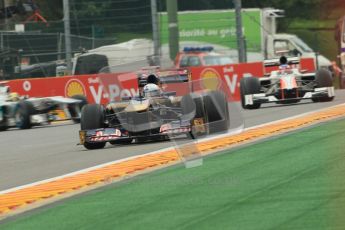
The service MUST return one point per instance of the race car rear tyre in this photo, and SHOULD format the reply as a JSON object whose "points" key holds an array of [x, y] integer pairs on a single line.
{"points": [[323, 78], [249, 85], [92, 117], [23, 114], [217, 112], [76, 113]]}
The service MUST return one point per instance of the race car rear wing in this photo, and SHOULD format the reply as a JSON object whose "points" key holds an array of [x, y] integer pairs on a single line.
{"points": [[276, 62], [165, 77], [305, 65]]}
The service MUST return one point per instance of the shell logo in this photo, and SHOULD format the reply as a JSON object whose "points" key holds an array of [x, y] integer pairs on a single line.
{"points": [[74, 87], [210, 79]]}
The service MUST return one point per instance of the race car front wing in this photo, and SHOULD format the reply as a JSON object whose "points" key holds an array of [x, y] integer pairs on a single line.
{"points": [[251, 99], [113, 134]]}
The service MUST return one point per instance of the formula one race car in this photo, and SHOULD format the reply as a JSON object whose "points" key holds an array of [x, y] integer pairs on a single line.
{"points": [[286, 85], [154, 114], [23, 113]]}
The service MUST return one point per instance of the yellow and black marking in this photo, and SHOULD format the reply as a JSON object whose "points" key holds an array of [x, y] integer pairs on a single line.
{"points": [[82, 136], [199, 125]]}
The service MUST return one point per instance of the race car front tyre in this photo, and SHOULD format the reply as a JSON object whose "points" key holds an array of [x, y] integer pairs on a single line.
{"points": [[75, 109], [3, 119], [23, 114], [217, 112], [323, 78], [3, 127], [188, 107], [121, 142], [92, 146], [92, 117], [248, 86], [193, 108]]}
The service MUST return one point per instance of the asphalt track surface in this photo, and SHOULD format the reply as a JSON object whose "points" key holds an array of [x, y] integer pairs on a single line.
{"points": [[28, 156]]}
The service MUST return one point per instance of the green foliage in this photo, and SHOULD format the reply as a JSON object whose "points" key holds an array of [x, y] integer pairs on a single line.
{"points": [[115, 17], [105, 9], [90, 8], [51, 10], [293, 8]]}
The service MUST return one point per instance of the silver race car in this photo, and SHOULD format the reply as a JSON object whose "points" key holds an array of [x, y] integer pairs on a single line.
{"points": [[23, 113]]}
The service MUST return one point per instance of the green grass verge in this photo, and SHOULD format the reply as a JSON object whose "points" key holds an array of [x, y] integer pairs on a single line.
{"points": [[292, 182]]}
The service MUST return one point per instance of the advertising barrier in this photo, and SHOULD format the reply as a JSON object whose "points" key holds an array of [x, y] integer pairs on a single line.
{"points": [[68, 86], [105, 91], [216, 27], [230, 75]]}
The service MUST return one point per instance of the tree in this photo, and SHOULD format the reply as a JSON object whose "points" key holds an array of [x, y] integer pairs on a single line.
{"points": [[51, 10], [90, 8]]}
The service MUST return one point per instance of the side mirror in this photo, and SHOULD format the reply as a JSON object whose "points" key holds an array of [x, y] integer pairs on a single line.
{"points": [[168, 94], [142, 82], [126, 98]]}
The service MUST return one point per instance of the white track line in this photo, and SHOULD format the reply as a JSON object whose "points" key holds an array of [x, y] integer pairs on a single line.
{"points": [[236, 131]]}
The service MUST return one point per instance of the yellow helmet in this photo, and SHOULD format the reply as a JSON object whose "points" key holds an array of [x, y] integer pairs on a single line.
{"points": [[13, 96]]}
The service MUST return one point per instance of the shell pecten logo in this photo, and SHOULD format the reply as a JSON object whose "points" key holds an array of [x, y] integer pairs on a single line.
{"points": [[74, 87], [210, 79]]}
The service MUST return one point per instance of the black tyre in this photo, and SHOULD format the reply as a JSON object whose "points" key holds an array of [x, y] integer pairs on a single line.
{"points": [[249, 85], [3, 121], [188, 107], [193, 107], [199, 107], [92, 117], [121, 142], [75, 110], [23, 114], [323, 78], [217, 112], [3, 127]]}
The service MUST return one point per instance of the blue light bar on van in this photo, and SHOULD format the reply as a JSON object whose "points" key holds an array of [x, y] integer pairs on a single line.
{"points": [[198, 49]]}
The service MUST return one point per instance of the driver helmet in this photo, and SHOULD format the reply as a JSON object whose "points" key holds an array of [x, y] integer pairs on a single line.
{"points": [[151, 90], [13, 96], [283, 61]]}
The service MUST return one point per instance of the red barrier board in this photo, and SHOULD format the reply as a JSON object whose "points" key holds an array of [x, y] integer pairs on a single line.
{"points": [[103, 88], [305, 64], [229, 75], [87, 85]]}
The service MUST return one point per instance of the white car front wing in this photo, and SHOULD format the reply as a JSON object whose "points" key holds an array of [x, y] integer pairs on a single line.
{"points": [[250, 99]]}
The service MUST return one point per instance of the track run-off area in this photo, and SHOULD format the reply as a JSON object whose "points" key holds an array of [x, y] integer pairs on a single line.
{"points": [[29, 156], [294, 181]]}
